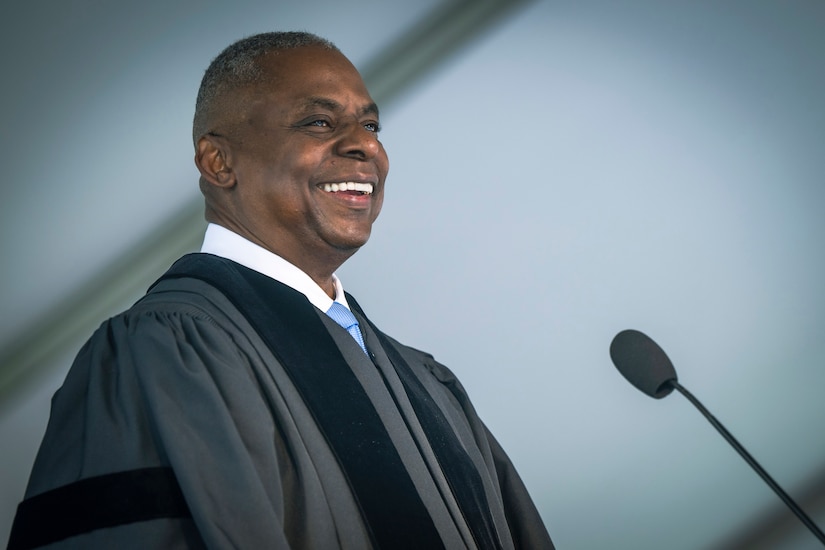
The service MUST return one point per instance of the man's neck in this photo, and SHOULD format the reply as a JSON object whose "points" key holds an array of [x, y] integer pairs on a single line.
{"points": [[320, 290]]}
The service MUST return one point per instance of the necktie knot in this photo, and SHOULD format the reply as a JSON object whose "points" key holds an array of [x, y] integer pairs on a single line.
{"points": [[339, 313]]}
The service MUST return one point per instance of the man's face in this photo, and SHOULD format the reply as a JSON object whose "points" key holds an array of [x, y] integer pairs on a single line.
{"points": [[310, 169]]}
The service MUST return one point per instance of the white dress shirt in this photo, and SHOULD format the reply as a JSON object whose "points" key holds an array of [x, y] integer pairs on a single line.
{"points": [[224, 243]]}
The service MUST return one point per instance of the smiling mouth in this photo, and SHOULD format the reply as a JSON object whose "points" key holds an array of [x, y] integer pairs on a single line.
{"points": [[361, 188]]}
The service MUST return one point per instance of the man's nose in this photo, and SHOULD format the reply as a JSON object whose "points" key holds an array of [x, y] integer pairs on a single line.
{"points": [[358, 142]]}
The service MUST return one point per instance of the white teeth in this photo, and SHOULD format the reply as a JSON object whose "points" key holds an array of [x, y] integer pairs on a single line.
{"points": [[365, 188]]}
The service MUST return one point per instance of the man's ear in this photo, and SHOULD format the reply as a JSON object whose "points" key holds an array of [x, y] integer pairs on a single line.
{"points": [[212, 160]]}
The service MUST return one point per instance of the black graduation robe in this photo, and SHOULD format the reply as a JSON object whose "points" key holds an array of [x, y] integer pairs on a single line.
{"points": [[180, 426]]}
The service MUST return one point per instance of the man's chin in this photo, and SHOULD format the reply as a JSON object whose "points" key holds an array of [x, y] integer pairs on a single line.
{"points": [[350, 244], [351, 247]]}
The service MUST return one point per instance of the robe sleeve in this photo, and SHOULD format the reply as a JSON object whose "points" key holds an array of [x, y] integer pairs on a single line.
{"points": [[170, 389], [526, 525], [524, 522]]}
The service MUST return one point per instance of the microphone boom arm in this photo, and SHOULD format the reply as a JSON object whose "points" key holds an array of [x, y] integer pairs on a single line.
{"points": [[752, 461]]}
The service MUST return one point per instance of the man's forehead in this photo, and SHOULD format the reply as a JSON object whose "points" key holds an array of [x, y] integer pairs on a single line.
{"points": [[298, 63], [302, 80]]}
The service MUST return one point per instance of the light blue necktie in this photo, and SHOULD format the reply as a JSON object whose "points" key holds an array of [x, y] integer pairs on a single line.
{"points": [[344, 317]]}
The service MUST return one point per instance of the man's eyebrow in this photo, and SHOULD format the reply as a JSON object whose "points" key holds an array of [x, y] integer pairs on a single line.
{"points": [[371, 109], [332, 105]]}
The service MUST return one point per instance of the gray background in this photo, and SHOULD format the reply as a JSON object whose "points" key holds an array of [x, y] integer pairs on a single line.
{"points": [[581, 168]]}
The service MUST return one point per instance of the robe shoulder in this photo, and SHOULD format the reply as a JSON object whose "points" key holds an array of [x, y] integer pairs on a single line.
{"points": [[180, 381]]}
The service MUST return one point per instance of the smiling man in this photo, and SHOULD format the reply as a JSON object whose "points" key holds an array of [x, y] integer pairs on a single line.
{"points": [[290, 160], [246, 401]]}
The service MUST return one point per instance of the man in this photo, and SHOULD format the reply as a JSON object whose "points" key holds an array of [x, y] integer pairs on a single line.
{"points": [[240, 403]]}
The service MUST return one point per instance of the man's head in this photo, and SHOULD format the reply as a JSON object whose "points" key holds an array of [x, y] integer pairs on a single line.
{"points": [[286, 142]]}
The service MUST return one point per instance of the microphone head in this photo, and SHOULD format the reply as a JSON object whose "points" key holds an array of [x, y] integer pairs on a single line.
{"points": [[643, 363]]}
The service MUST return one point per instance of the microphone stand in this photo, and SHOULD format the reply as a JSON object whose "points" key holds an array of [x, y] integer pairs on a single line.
{"points": [[750, 460]]}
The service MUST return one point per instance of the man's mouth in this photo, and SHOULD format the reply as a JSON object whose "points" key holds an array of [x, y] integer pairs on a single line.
{"points": [[362, 188]]}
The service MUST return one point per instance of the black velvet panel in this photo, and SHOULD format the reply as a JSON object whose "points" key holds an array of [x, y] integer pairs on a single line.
{"points": [[97, 502]]}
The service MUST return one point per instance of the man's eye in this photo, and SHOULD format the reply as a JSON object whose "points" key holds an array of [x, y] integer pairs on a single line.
{"points": [[372, 127], [319, 123]]}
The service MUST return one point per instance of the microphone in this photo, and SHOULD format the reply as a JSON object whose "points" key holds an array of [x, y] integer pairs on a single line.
{"points": [[645, 365]]}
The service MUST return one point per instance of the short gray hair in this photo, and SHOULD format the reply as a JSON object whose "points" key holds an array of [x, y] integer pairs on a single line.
{"points": [[237, 66]]}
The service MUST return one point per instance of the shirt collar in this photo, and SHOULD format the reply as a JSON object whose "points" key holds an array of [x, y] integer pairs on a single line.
{"points": [[225, 243]]}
